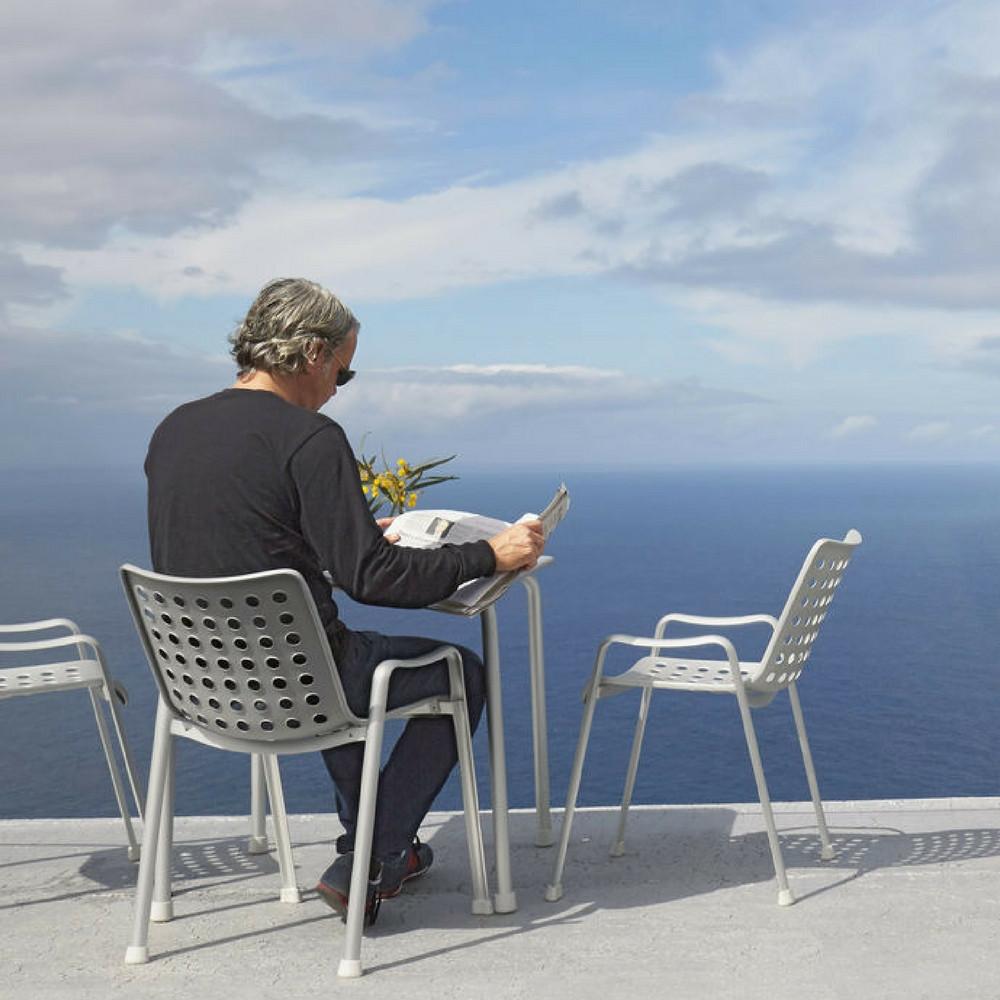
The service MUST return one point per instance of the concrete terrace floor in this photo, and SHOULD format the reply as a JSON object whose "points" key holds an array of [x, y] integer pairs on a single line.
{"points": [[910, 908]]}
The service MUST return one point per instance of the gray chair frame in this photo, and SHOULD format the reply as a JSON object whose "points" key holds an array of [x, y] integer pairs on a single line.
{"points": [[242, 664], [754, 684], [86, 670]]}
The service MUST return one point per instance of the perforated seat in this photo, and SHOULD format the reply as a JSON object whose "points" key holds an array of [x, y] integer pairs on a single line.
{"points": [[754, 684], [683, 675], [21, 676], [243, 664]]}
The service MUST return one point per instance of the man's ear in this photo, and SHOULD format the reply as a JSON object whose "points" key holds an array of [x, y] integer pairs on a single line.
{"points": [[314, 353]]}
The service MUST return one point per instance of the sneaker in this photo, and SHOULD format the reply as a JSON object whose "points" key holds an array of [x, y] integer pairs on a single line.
{"points": [[334, 888], [411, 862]]}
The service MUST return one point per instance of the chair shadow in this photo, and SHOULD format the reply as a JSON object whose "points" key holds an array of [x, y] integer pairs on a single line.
{"points": [[707, 856], [193, 862], [663, 862], [861, 852]]}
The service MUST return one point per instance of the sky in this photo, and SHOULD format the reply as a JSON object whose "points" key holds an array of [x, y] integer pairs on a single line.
{"points": [[629, 234]]}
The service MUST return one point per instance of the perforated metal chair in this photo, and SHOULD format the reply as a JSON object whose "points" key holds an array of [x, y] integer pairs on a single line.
{"points": [[21, 674], [242, 664], [754, 685]]}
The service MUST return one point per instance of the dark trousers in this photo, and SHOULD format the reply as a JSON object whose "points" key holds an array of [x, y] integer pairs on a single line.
{"points": [[423, 756]]}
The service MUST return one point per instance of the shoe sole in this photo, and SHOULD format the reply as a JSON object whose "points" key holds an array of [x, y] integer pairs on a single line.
{"points": [[338, 902], [406, 878]]}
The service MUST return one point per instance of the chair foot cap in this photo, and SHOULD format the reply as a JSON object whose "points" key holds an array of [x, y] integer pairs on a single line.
{"points": [[617, 849], [827, 854], [505, 902], [349, 968], [161, 912], [544, 838], [553, 893], [134, 852], [258, 845], [482, 908], [785, 897], [291, 894], [136, 954]]}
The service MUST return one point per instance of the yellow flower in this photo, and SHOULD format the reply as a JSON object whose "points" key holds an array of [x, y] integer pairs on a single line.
{"points": [[413, 500]]}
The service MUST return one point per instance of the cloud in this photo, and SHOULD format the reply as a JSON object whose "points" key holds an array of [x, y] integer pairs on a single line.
{"points": [[27, 284], [119, 374], [859, 198], [120, 120], [434, 397], [560, 206], [710, 189], [930, 432], [850, 426]]}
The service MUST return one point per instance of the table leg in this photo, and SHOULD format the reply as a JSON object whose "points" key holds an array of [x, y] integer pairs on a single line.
{"points": [[258, 807], [505, 900], [539, 724]]}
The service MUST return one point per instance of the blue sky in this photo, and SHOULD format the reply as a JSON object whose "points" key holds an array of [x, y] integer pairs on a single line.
{"points": [[574, 232]]}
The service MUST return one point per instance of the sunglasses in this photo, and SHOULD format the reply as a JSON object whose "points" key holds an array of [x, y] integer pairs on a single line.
{"points": [[345, 375]]}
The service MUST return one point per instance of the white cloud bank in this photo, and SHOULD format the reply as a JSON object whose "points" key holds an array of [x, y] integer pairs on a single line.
{"points": [[931, 432], [850, 426]]}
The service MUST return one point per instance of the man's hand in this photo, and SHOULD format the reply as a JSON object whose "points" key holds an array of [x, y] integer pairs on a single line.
{"points": [[385, 523], [519, 546]]}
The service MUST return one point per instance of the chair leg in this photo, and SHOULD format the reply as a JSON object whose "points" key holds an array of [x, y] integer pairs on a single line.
{"points": [[131, 771], [618, 847], [785, 897], [162, 908], [482, 905], [258, 807], [826, 850], [350, 964], [554, 890], [286, 863], [116, 778], [137, 951]]}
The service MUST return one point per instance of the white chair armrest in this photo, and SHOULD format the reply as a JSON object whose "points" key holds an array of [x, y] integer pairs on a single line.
{"points": [[731, 622], [658, 642], [380, 678], [77, 639], [44, 625]]}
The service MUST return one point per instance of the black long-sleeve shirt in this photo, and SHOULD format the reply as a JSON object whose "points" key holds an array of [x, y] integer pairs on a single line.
{"points": [[243, 481]]}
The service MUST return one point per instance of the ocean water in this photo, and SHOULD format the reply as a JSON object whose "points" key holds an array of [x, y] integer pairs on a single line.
{"points": [[901, 695]]}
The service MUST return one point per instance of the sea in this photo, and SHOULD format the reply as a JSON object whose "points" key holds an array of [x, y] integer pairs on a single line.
{"points": [[901, 694]]}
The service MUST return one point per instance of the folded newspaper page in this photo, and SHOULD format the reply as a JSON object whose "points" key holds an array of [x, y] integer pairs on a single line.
{"points": [[429, 529]]}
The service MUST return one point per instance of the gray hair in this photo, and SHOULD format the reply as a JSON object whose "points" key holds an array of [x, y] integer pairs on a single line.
{"points": [[282, 323]]}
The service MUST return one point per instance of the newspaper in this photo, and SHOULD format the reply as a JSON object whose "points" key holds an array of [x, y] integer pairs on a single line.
{"points": [[430, 529]]}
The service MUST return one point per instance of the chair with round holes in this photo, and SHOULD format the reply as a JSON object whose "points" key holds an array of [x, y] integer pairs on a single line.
{"points": [[242, 663], [86, 670], [754, 685]]}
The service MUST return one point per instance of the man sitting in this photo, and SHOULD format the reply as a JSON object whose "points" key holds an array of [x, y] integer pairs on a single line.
{"points": [[255, 478]]}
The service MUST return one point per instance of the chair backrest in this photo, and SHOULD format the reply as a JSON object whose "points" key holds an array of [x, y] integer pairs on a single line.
{"points": [[804, 612], [241, 656]]}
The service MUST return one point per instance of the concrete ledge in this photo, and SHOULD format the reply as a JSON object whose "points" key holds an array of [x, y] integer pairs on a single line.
{"points": [[909, 907]]}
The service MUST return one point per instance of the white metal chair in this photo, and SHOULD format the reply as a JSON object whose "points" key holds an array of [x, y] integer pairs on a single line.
{"points": [[242, 664], [753, 683], [85, 670]]}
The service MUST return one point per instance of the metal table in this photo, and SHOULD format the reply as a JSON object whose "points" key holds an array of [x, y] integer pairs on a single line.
{"points": [[505, 899]]}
